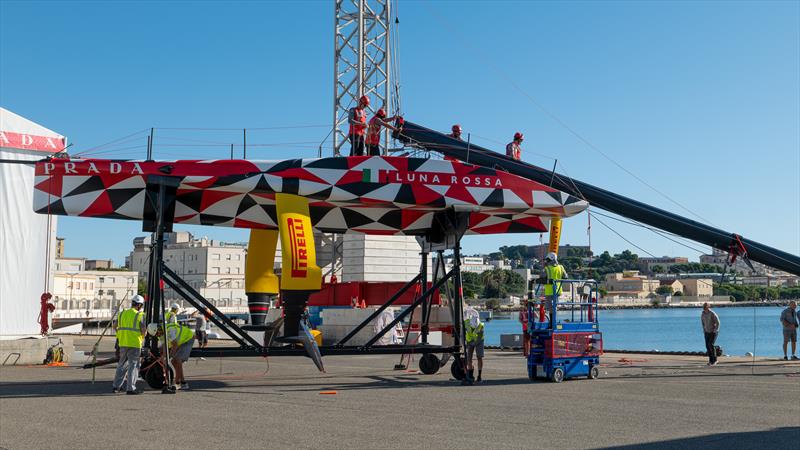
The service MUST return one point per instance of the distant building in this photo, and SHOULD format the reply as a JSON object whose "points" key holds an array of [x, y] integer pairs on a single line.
{"points": [[70, 264], [697, 287], [213, 268], [675, 285], [646, 264], [98, 292], [629, 284], [99, 264], [474, 264]]}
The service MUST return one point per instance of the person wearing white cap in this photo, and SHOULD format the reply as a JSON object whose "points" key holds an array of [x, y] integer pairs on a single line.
{"points": [[130, 336], [473, 328]]}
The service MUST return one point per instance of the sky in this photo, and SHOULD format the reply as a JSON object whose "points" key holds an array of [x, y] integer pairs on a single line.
{"points": [[693, 107]]}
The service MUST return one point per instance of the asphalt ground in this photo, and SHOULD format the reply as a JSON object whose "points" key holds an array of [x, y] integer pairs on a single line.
{"points": [[640, 401]]}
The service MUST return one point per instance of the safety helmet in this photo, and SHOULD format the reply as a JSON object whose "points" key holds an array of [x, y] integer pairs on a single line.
{"points": [[456, 128], [518, 136], [364, 99], [137, 300], [551, 257], [381, 113], [175, 306], [152, 328]]}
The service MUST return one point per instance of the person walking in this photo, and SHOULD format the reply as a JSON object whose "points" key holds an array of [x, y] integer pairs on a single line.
{"points": [[789, 321], [473, 328], [710, 322], [513, 149], [130, 337], [357, 118], [374, 131]]}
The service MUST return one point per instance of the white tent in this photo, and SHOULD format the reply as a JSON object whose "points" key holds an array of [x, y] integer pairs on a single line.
{"points": [[24, 240]]}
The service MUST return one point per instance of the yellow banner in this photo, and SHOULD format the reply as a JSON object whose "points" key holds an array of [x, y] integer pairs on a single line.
{"points": [[259, 276], [299, 256], [555, 234]]}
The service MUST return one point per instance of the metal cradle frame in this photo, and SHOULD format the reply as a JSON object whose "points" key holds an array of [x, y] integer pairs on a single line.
{"points": [[445, 234]]}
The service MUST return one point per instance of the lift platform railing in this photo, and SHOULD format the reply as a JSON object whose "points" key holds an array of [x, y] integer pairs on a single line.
{"points": [[578, 300]]}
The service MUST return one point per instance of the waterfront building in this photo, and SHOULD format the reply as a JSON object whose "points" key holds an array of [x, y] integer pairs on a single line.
{"points": [[91, 293], [629, 284], [99, 264]]}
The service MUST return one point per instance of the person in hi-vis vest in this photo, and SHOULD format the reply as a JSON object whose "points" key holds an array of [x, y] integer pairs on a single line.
{"points": [[130, 337], [554, 273]]}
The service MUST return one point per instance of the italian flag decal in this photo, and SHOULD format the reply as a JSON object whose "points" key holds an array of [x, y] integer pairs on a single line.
{"points": [[369, 176]]}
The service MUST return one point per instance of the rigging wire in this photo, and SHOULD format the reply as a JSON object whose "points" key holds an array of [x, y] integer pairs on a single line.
{"points": [[556, 118]]}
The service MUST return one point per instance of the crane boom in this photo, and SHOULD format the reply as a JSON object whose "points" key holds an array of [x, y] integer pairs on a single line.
{"points": [[419, 136]]}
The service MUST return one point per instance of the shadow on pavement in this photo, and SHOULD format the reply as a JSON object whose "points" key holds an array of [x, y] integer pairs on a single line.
{"points": [[38, 389], [778, 438]]}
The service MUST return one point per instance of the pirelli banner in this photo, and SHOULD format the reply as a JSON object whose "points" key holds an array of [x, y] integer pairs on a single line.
{"points": [[299, 271]]}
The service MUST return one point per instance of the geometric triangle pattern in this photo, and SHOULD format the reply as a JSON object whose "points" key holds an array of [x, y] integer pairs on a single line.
{"points": [[388, 195]]}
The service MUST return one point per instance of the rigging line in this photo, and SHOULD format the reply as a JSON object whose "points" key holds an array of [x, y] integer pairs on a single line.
{"points": [[115, 141], [623, 237], [564, 124], [102, 152], [287, 127], [175, 138], [659, 232], [228, 145]]}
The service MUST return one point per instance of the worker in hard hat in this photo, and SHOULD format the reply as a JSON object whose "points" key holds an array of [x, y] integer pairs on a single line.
{"points": [[130, 337], [554, 273], [374, 131], [171, 316], [473, 329], [180, 339], [357, 118], [513, 149], [456, 132]]}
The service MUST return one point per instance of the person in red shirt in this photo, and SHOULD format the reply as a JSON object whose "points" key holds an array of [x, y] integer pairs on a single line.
{"points": [[456, 134], [523, 319], [513, 149], [374, 131], [357, 118]]}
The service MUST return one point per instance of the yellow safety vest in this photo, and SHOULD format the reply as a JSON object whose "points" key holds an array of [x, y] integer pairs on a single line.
{"points": [[171, 317], [129, 328], [554, 273], [184, 334], [474, 334]]}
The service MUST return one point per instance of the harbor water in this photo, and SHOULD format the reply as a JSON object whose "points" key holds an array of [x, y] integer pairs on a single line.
{"points": [[675, 329]]}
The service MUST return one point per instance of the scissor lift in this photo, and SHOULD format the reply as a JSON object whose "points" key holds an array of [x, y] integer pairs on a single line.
{"points": [[567, 343]]}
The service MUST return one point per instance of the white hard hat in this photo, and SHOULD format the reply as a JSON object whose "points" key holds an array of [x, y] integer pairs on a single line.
{"points": [[137, 300], [152, 328], [551, 257], [175, 306]]}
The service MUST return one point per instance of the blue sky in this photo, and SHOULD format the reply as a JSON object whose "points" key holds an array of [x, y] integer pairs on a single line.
{"points": [[699, 99]]}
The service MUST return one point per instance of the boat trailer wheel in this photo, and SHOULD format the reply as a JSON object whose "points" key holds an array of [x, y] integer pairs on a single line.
{"points": [[429, 364], [457, 368]]}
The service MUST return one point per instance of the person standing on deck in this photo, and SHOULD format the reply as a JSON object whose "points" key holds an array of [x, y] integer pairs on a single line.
{"points": [[374, 131], [554, 273], [357, 118], [474, 330], [513, 148]]}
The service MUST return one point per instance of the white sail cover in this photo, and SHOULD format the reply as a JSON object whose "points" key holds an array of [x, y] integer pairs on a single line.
{"points": [[23, 233]]}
